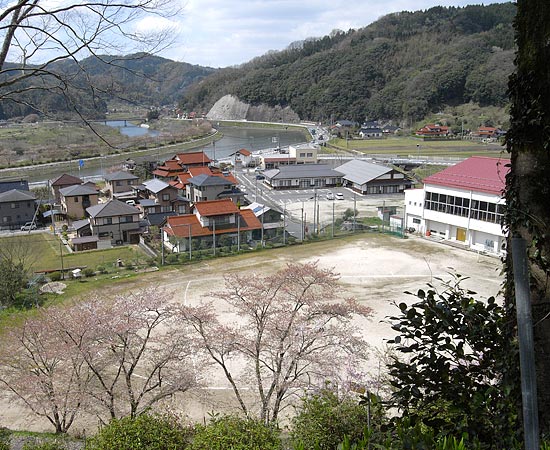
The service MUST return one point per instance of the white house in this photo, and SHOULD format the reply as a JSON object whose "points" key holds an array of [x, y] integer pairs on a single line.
{"points": [[462, 203]]}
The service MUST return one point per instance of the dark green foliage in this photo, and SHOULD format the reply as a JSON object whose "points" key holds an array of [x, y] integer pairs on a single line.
{"points": [[456, 368], [4, 439], [324, 419], [55, 276], [235, 433], [88, 272], [145, 432], [139, 78], [403, 66], [13, 279]]}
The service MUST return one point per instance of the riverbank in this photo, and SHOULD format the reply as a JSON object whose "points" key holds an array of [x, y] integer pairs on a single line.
{"points": [[40, 172]]}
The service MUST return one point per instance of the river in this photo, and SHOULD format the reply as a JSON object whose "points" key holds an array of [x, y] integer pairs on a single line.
{"points": [[234, 138]]}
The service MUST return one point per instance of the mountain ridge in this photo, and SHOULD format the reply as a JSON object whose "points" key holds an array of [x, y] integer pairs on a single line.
{"points": [[404, 66]]}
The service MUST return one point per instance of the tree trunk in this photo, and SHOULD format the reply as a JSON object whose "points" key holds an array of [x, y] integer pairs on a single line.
{"points": [[528, 183]]}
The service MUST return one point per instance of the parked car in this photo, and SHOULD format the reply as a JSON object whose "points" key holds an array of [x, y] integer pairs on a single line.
{"points": [[28, 226], [330, 196], [339, 196], [260, 177]]}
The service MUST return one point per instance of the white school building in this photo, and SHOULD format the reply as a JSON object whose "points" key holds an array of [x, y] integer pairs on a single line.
{"points": [[462, 203]]}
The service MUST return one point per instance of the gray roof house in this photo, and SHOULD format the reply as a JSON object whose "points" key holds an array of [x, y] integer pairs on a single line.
{"points": [[120, 184], [16, 208], [369, 178], [205, 187], [304, 176], [20, 185], [115, 223], [75, 199]]}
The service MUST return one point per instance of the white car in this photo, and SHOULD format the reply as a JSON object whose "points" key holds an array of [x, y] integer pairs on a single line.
{"points": [[339, 196], [28, 226], [330, 196]]}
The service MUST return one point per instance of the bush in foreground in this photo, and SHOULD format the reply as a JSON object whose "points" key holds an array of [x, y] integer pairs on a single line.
{"points": [[145, 432], [229, 432]]}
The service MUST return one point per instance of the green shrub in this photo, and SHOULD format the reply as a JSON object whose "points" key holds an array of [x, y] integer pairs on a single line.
{"points": [[324, 419], [88, 272], [4, 439], [101, 269], [172, 258], [145, 432], [229, 432], [55, 276]]}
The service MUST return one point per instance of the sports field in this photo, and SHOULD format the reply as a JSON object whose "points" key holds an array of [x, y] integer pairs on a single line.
{"points": [[375, 269]]}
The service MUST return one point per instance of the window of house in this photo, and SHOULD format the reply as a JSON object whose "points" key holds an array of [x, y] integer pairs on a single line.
{"points": [[165, 197], [118, 183], [127, 219], [108, 221], [310, 155], [416, 221], [76, 199]]}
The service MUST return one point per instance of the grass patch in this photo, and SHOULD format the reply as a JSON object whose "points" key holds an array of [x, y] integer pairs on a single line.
{"points": [[409, 146], [46, 253]]}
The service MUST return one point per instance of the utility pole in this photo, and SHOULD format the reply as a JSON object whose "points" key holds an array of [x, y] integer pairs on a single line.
{"points": [[315, 211], [214, 235], [161, 248], [302, 229], [318, 218], [262, 231], [354, 209], [61, 252], [284, 223], [333, 218], [190, 254], [239, 232]]}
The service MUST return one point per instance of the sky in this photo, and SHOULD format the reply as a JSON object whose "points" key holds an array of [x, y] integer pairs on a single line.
{"points": [[221, 33]]}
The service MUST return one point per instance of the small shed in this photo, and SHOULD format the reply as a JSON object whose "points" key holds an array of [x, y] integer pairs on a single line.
{"points": [[84, 243]]}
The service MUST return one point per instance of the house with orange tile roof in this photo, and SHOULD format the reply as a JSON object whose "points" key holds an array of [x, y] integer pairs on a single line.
{"points": [[433, 130], [212, 223]]}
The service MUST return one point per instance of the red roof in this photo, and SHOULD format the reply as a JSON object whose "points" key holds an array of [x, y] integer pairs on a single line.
{"points": [[433, 130], [192, 158], [244, 152], [216, 207], [179, 225], [478, 173]]}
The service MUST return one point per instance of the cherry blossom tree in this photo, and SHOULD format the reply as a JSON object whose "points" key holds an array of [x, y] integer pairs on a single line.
{"points": [[112, 357], [134, 350], [39, 368], [286, 333]]}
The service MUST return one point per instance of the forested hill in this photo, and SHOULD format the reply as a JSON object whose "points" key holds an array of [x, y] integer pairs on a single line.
{"points": [[141, 79], [404, 66]]}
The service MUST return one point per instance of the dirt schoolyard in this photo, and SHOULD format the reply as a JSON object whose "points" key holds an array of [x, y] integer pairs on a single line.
{"points": [[375, 269]]}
